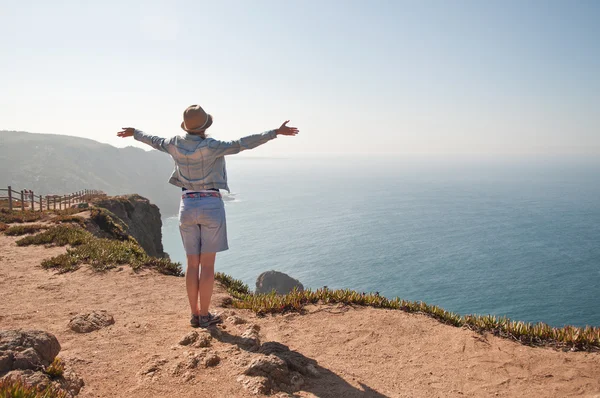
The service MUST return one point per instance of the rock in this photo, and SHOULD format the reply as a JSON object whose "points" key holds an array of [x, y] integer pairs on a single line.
{"points": [[203, 340], [312, 371], [269, 366], [141, 218], [6, 362], [30, 377], [25, 353], [294, 360], [211, 360], [250, 338], [189, 338], [236, 320], [215, 332], [27, 349], [91, 321], [224, 301], [272, 374], [258, 385], [188, 376], [296, 381], [278, 281], [153, 367], [70, 382]]}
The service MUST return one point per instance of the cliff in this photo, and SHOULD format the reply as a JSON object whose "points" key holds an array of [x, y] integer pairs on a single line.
{"points": [[125, 330], [141, 218]]}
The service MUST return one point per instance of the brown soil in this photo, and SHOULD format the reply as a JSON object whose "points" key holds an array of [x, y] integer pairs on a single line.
{"points": [[361, 352]]}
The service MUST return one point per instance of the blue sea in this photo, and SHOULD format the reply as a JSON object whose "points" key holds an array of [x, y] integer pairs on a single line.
{"points": [[514, 236]]}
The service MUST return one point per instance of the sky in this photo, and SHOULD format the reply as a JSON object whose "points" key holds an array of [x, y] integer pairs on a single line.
{"points": [[356, 77]]}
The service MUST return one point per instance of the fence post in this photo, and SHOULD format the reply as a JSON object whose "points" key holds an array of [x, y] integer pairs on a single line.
{"points": [[9, 198], [22, 200], [69, 201], [32, 201], [54, 200], [41, 204]]}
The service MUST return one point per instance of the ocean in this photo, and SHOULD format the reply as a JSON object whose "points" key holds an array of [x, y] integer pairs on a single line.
{"points": [[514, 236]]}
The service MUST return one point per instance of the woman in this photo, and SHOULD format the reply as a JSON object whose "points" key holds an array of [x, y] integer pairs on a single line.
{"points": [[200, 172]]}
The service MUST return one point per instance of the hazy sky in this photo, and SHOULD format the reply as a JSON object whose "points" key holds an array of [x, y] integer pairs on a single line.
{"points": [[405, 77]]}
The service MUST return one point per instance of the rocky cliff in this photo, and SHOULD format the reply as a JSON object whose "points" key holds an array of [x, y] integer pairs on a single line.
{"points": [[141, 218]]}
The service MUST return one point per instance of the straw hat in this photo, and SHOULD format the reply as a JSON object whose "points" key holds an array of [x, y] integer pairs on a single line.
{"points": [[195, 119]]}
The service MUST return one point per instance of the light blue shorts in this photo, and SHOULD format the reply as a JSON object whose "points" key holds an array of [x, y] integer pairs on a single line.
{"points": [[202, 225]]}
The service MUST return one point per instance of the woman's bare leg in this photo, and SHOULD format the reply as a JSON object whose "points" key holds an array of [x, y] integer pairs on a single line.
{"points": [[191, 281], [207, 280]]}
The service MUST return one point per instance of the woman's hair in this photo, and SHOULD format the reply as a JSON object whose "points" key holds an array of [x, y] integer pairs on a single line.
{"points": [[203, 132]]}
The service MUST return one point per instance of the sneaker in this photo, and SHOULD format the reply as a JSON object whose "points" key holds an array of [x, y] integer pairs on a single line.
{"points": [[195, 321], [210, 319]]}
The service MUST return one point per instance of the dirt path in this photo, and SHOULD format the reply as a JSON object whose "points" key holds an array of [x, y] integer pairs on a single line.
{"points": [[359, 352]]}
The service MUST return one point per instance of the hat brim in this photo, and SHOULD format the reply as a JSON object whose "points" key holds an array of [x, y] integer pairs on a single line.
{"points": [[198, 130]]}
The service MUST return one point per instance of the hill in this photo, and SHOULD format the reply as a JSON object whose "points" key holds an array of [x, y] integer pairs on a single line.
{"points": [[58, 164]]}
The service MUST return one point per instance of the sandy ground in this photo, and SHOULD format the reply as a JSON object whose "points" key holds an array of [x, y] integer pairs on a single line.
{"points": [[361, 352]]}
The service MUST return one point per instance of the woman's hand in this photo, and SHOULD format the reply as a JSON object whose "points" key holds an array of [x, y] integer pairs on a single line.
{"points": [[127, 132], [285, 130]]}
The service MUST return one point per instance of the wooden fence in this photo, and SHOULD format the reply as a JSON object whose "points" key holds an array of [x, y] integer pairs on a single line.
{"points": [[28, 200]]}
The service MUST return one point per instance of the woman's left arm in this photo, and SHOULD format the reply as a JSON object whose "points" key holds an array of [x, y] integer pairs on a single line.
{"points": [[152, 140]]}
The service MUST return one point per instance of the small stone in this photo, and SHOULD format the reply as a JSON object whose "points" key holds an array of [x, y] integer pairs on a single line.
{"points": [[250, 339], [236, 320], [215, 332], [189, 338], [153, 367], [225, 301], [259, 385], [203, 341], [188, 376], [91, 321], [212, 360], [312, 370]]}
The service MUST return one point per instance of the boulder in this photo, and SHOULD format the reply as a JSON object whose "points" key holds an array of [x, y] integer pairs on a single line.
{"points": [[270, 373], [294, 360], [90, 321], [25, 353], [26, 349], [278, 281]]}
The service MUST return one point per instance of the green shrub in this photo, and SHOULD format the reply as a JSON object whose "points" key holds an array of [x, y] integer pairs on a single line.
{"points": [[18, 216], [231, 284], [56, 369], [63, 219], [16, 388], [109, 223], [60, 235], [101, 253], [18, 230]]}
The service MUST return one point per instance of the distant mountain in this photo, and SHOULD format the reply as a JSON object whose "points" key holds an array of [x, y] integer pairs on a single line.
{"points": [[58, 164]]}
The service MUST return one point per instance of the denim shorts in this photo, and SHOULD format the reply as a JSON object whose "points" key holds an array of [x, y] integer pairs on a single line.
{"points": [[202, 225]]}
